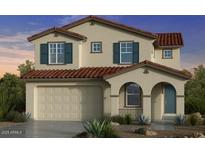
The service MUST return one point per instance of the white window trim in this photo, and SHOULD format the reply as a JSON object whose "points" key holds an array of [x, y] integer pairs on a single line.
{"points": [[49, 51], [126, 95], [124, 52], [92, 46], [164, 55]]}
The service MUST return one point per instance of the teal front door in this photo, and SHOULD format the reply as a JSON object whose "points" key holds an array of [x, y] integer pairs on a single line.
{"points": [[169, 99]]}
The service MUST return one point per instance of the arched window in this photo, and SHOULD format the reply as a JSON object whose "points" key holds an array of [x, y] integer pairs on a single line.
{"points": [[133, 95]]}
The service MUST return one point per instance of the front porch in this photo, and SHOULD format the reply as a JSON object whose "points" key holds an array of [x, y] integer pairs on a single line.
{"points": [[155, 94]]}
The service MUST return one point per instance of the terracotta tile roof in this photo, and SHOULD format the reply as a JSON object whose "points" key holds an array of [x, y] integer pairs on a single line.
{"points": [[169, 40], [85, 72], [57, 30], [98, 72], [110, 23]]}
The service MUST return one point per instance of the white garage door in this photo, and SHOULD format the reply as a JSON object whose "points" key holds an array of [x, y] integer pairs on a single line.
{"points": [[73, 103]]}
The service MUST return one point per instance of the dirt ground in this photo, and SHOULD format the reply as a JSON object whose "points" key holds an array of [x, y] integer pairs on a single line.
{"points": [[127, 131]]}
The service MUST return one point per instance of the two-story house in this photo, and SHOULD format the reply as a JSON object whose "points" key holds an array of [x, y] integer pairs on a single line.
{"points": [[94, 67]]}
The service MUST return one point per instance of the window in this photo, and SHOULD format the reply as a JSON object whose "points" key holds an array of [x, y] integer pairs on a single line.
{"points": [[96, 47], [56, 53], [126, 51], [133, 95], [167, 54]]}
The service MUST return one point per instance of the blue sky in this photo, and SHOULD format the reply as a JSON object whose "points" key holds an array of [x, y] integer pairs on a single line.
{"points": [[14, 48]]}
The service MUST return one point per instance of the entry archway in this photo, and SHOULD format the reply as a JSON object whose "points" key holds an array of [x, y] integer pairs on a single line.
{"points": [[163, 100]]}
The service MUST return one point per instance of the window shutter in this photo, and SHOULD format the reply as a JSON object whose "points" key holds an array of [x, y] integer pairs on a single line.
{"points": [[68, 53], [116, 53], [44, 54], [135, 52]]}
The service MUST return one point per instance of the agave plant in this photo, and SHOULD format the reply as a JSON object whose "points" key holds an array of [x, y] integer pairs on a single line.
{"points": [[99, 129], [143, 120], [180, 120]]}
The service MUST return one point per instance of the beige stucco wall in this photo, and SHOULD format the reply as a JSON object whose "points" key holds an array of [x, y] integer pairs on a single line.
{"points": [[174, 62], [113, 94], [83, 57], [147, 82], [58, 38], [157, 102], [108, 36], [106, 100]]}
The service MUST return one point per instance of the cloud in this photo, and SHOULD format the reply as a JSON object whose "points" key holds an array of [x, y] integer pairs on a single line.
{"points": [[70, 18], [14, 53], [11, 58], [19, 37], [34, 23], [191, 60], [14, 50]]}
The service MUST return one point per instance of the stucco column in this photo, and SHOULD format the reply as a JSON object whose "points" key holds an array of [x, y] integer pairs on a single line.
{"points": [[147, 106], [114, 105], [31, 100], [180, 105]]}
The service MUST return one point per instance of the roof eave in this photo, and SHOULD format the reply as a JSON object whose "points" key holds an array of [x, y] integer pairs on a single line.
{"points": [[59, 79], [170, 46], [147, 64], [111, 23], [55, 30]]}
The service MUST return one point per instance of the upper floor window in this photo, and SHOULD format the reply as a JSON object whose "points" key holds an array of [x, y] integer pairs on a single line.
{"points": [[126, 52], [96, 47], [167, 54], [56, 53]]}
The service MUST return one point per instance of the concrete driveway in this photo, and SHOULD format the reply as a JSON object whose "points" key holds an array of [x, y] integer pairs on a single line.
{"points": [[42, 129]]}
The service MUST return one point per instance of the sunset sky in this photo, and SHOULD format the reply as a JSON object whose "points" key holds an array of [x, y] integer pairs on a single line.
{"points": [[14, 48]]}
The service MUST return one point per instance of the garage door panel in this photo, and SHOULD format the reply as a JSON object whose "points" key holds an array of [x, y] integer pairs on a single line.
{"points": [[69, 103]]}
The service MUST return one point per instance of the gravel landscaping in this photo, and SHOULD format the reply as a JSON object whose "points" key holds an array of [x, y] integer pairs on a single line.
{"points": [[127, 131]]}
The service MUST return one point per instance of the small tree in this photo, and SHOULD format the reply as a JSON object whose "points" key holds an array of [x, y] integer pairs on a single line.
{"points": [[24, 68], [195, 92], [12, 94]]}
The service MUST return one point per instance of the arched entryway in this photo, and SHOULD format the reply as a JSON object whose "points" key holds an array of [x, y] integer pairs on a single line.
{"points": [[163, 100], [130, 99]]}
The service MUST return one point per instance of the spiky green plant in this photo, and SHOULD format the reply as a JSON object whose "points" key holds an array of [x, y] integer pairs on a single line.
{"points": [[99, 129], [180, 120], [15, 116], [143, 120]]}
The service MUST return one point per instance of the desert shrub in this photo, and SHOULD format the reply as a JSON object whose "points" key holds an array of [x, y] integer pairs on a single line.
{"points": [[180, 120], [21, 117], [11, 115], [101, 129], [119, 119], [194, 119], [141, 131], [4, 109], [194, 92], [17, 117], [128, 119], [142, 120]]}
